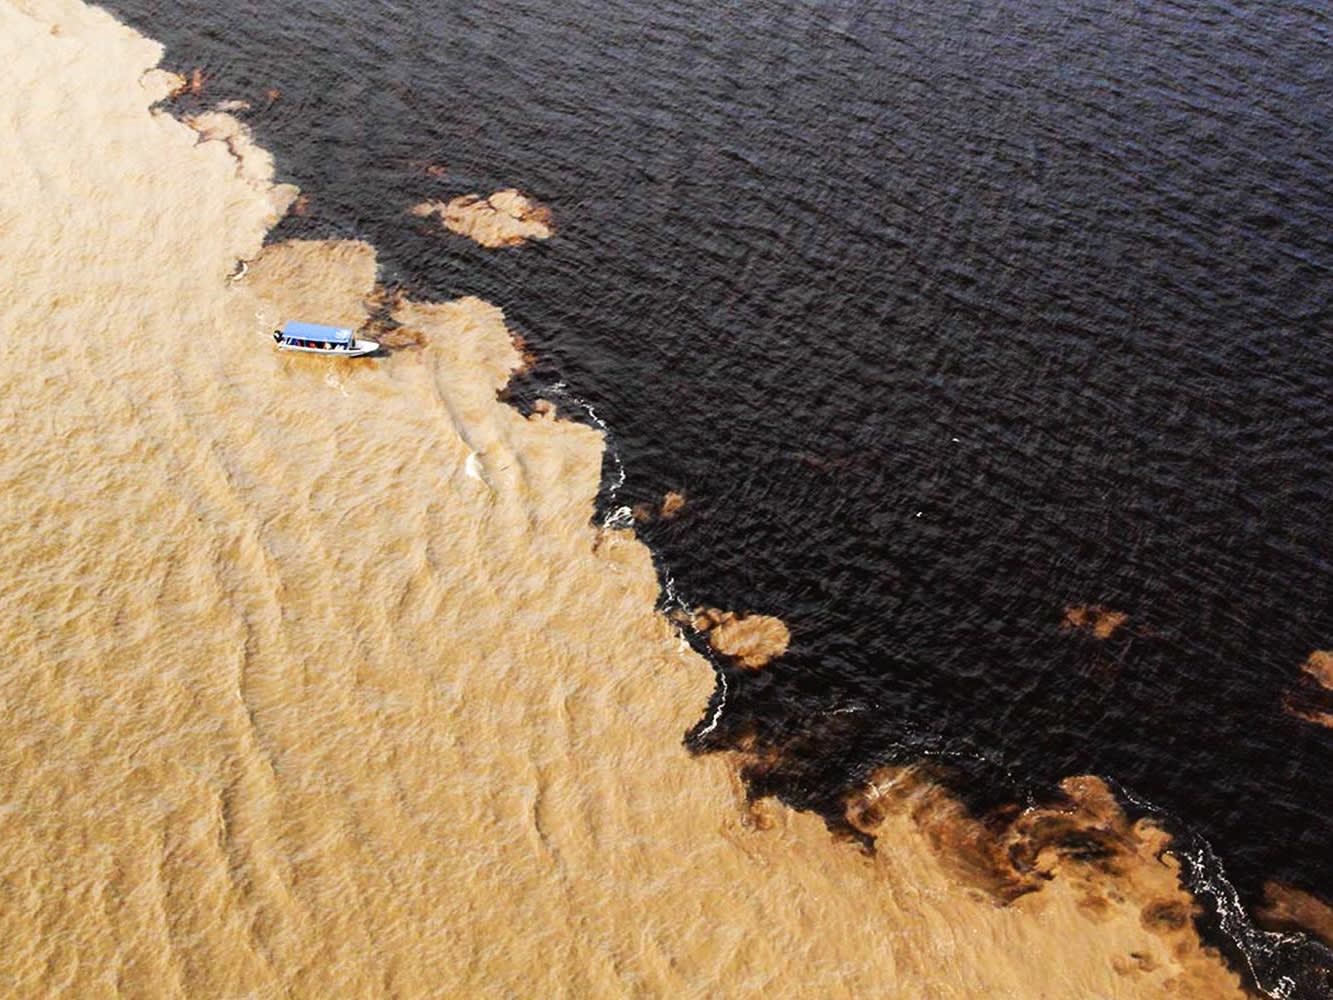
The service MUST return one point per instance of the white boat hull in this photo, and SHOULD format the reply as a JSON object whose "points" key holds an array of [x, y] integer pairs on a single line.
{"points": [[357, 348]]}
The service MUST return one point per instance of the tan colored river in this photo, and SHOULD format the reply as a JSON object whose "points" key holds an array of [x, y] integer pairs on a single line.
{"points": [[317, 680]]}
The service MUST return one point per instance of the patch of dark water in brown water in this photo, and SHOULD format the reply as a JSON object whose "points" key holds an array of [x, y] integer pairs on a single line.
{"points": [[946, 317]]}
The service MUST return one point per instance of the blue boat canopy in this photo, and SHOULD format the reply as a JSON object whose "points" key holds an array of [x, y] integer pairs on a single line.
{"points": [[317, 331]]}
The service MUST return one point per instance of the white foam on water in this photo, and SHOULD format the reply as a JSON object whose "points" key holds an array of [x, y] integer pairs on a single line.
{"points": [[721, 704], [620, 517], [1206, 877], [561, 390], [674, 602]]}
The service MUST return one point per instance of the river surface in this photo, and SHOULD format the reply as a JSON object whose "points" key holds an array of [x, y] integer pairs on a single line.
{"points": [[945, 317]]}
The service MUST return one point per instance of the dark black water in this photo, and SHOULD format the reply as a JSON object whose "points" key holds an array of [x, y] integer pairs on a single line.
{"points": [[945, 316]]}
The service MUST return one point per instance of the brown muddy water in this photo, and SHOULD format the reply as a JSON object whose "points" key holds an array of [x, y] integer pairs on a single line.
{"points": [[346, 679]]}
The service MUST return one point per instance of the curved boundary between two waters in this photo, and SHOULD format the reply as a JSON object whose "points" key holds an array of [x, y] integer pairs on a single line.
{"points": [[266, 789]]}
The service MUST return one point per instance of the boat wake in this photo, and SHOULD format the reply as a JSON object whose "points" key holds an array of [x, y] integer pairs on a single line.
{"points": [[1282, 966]]}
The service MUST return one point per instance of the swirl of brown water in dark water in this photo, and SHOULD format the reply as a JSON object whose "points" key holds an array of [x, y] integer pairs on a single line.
{"points": [[946, 319]]}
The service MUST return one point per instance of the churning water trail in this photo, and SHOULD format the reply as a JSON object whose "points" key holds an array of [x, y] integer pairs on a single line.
{"points": [[1282, 966]]}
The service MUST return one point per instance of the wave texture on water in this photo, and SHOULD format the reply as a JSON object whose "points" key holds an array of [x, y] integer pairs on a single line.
{"points": [[327, 681]]}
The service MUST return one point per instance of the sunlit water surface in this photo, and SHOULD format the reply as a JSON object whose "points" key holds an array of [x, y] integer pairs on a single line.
{"points": [[945, 317]]}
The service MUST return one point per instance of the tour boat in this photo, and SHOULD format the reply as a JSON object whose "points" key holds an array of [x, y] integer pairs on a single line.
{"points": [[315, 338]]}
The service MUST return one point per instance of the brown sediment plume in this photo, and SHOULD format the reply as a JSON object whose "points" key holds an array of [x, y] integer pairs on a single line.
{"points": [[1286, 908], [253, 163], [1318, 716], [394, 337], [192, 84], [672, 504], [1107, 868], [1319, 665], [527, 357], [504, 219], [315, 281], [1011, 851], [1095, 620], [668, 510], [383, 328], [163, 83], [324, 681], [1309, 704], [750, 640], [431, 168], [1311, 698]]}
